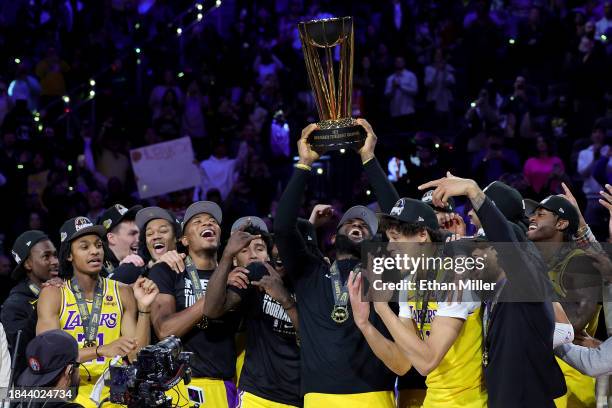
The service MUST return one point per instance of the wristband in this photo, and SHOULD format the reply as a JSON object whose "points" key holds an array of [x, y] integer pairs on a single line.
{"points": [[141, 312], [98, 355], [303, 166]]}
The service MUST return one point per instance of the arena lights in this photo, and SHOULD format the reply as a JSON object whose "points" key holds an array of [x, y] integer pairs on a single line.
{"points": [[18, 61], [437, 145], [180, 74], [137, 50], [200, 16], [511, 41], [40, 127], [70, 188], [70, 167], [179, 31], [342, 151], [604, 38], [66, 99], [368, 192], [20, 166], [199, 7], [36, 118], [473, 104], [138, 61], [218, 3], [92, 93], [319, 171], [137, 26], [92, 82]]}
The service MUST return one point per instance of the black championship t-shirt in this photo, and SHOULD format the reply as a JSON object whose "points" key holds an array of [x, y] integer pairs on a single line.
{"points": [[336, 358], [214, 353], [272, 362]]}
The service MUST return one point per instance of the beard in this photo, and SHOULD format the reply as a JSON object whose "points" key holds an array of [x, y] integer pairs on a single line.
{"points": [[344, 245]]}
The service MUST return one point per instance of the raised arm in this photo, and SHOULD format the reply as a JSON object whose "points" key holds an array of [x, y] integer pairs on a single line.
{"points": [[386, 350], [218, 298], [291, 246], [137, 301], [383, 189]]}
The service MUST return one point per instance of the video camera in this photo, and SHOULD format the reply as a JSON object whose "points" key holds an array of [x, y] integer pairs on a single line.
{"points": [[157, 369]]}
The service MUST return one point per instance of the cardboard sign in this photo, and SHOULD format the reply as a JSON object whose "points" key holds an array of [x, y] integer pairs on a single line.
{"points": [[164, 167]]}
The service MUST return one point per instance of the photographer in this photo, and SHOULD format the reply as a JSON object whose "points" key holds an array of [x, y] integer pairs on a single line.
{"points": [[52, 363], [271, 372]]}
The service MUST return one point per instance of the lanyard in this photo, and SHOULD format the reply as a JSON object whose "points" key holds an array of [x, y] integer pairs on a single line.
{"points": [[487, 318], [340, 311], [192, 272], [34, 289], [89, 322]]}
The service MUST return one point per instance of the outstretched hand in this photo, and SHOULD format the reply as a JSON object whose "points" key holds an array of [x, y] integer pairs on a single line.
{"points": [[451, 186]]}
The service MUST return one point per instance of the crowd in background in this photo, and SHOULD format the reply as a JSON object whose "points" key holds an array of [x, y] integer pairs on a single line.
{"points": [[512, 90]]}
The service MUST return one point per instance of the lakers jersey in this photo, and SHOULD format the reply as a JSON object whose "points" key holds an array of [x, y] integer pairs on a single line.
{"points": [[109, 327], [458, 379]]}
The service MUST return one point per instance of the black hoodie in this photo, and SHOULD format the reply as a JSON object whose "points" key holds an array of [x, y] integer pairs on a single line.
{"points": [[19, 313]]}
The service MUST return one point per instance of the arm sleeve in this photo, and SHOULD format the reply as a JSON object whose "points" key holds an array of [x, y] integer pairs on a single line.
{"points": [[590, 361], [524, 268], [383, 189], [291, 246]]}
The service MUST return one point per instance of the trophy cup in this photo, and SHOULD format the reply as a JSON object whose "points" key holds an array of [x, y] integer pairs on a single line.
{"points": [[337, 129]]}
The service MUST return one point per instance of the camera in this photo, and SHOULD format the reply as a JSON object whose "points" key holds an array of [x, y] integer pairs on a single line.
{"points": [[157, 369]]}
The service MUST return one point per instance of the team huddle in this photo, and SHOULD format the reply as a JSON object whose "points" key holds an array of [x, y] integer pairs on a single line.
{"points": [[273, 323]]}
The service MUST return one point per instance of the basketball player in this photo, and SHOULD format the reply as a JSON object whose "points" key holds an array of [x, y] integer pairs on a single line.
{"points": [[106, 318]]}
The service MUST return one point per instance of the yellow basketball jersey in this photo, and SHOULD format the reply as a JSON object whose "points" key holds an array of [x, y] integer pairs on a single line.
{"points": [[109, 327], [458, 379]]}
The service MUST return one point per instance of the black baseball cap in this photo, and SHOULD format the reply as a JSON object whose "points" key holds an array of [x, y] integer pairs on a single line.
{"points": [[563, 209], [79, 226], [507, 199], [255, 221], [413, 211], [48, 354], [428, 199], [362, 213], [153, 213], [116, 214], [530, 206], [21, 250], [203, 207]]}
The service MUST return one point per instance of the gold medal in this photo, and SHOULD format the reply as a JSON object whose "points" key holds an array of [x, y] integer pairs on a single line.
{"points": [[89, 344], [340, 314]]}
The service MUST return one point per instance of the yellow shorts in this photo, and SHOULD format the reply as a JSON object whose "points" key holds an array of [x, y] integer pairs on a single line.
{"points": [[465, 398], [380, 399], [411, 398], [248, 400], [580, 388], [213, 392], [240, 351]]}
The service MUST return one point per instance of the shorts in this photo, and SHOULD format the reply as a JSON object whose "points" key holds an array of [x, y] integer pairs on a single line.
{"points": [[248, 400], [378, 399]]}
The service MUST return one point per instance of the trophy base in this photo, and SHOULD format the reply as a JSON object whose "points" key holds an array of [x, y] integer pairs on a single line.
{"points": [[336, 135]]}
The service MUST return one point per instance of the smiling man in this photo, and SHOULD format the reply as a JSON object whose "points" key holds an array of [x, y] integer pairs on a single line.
{"points": [[573, 276], [37, 262], [179, 309], [338, 369], [122, 262], [158, 233]]}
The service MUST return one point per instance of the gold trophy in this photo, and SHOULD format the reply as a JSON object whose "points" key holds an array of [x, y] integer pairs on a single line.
{"points": [[337, 129]]}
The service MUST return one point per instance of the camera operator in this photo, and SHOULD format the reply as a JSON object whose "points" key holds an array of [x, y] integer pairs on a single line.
{"points": [[271, 372], [52, 362]]}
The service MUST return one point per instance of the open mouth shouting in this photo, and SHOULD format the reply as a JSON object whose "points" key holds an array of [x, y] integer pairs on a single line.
{"points": [[355, 234], [209, 234], [159, 248]]}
